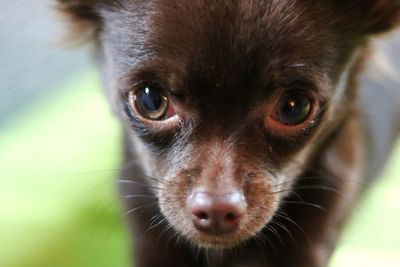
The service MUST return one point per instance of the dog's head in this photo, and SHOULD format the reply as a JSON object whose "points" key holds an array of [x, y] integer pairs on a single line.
{"points": [[226, 101]]}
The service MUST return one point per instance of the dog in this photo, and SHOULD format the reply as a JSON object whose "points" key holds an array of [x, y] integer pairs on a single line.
{"points": [[251, 128]]}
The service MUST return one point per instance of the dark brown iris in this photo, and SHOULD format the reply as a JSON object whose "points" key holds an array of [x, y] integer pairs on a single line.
{"points": [[294, 109]]}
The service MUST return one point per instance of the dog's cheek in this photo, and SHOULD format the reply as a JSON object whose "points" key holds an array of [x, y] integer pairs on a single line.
{"points": [[172, 202], [262, 201]]}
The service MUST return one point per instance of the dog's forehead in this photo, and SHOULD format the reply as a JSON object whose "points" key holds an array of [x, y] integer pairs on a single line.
{"points": [[214, 34], [228, 45], [226, 32]]}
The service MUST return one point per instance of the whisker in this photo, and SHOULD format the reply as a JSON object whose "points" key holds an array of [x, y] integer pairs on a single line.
{"points": [[138, 208], [259, 239], [285, 216], [157, 224], [291, 191], [179, 240], [286, 230], [197, 252], [322, 177], [154, 179], [166, 229], [318, 187], [153, 219], [306, 204], [272, 229], [142, 196], [271, 244], [127, 181], [305, 178], [84, 173]]}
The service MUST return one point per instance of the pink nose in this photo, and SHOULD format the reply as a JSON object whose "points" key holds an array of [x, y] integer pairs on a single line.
{"points": [[217, 213]]}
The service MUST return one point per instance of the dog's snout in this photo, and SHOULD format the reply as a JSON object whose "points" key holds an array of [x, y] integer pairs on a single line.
{"points": [[217, 213]]}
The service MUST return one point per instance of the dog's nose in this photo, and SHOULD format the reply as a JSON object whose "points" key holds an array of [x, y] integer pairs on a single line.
{"points": [[217, 213]]}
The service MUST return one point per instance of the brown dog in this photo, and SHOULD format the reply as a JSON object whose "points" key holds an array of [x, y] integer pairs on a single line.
{"points": [[250, 126]]}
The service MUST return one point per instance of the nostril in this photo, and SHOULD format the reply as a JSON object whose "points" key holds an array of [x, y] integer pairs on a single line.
{"points": [[217, 213], [230, 217], [202, 215]]}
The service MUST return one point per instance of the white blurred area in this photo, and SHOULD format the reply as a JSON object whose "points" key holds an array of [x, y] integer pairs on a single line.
{"points": [[32, 60]]}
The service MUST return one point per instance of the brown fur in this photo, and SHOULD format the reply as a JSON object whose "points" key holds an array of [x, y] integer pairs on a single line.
{"points": [[225, 65]]}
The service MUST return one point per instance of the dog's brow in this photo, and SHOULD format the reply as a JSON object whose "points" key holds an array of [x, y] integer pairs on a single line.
{"points": [[297, 65], [176, 91]]}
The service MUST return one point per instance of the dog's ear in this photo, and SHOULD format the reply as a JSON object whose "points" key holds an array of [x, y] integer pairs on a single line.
{"points": [[369, 16], [83, 17]]}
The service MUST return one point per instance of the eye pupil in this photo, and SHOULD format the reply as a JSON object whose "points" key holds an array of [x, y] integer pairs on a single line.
{"points": [[294, 109], [151, 103]]}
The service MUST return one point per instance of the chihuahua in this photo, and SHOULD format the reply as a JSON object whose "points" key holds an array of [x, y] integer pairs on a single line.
{"points": [[250, 127]]}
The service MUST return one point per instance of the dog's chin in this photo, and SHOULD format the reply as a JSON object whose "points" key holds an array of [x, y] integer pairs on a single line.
{"points": [[222, 242], [217, 243]]}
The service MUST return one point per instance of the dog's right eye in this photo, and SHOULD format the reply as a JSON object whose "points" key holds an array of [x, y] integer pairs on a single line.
{"points": [[294, 109], [151, 103], [292, 113]]}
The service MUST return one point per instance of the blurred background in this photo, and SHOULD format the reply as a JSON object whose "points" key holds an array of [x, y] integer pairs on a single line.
{"points": [[60, 152]]}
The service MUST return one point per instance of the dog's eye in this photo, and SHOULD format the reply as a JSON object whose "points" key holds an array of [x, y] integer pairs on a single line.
{"points": [[293, 109], [292, 113], [150, 102]]}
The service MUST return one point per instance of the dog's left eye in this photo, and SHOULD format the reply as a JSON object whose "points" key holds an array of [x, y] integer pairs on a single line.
{"points": [[151, 103], [293, 109], [291, 113]]}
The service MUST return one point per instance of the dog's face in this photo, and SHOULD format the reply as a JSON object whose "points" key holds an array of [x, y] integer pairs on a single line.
{"points": [[225, 102]]}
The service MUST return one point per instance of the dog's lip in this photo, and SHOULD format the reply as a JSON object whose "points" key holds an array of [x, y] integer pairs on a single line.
{"points": [[221, 240], [218, 243]]}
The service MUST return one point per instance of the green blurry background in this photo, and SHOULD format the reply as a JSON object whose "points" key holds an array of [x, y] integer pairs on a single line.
{"points": [[60, 152]]}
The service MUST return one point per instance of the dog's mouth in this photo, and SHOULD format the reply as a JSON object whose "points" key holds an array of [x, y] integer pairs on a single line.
{"points": [[210, 241]]}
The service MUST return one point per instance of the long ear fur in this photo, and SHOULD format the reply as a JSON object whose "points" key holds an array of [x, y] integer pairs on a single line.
{"points": [[369, 16], [82, 16]]}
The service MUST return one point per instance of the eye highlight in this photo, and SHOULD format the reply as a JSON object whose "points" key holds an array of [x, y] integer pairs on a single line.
{"points": [[151, 103]]}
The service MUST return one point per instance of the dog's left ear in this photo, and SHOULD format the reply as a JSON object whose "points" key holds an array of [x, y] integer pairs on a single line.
{"points": [[368, 16], [83, 17]]}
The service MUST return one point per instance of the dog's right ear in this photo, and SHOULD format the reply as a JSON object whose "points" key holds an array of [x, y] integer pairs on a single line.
{"points": [[82, 16], [368, 16]]}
